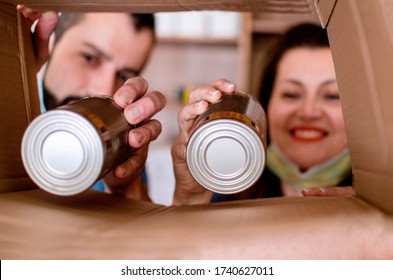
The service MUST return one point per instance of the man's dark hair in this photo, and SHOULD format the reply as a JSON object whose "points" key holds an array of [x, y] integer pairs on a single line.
{"points": [[67, 20]]}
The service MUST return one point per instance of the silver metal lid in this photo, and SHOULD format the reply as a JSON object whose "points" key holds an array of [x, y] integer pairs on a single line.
{"points": [[225, 156], [62, 152]]}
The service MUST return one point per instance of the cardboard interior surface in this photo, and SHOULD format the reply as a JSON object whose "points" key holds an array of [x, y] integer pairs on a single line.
{"points": [[37, 225], [284, 228]]}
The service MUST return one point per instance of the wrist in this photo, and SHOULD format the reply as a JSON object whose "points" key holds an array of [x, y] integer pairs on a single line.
{"points": [[135, 189]]}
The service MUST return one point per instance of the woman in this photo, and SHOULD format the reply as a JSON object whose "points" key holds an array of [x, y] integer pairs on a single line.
{"points": [[307, 144]]}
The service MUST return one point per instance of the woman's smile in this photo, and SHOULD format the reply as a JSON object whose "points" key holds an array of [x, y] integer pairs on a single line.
{"points": [[308, 133]]}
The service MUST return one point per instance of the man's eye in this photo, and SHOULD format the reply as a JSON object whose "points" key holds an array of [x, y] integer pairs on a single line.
{"points": [[123, 77], [91, 59]]}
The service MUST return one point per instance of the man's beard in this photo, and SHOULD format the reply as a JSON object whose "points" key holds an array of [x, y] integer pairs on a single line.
{"points": [[50, 101]]}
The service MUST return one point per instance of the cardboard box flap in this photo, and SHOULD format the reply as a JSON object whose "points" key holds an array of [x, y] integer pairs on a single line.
{"points": [[324, 10], [360, 35], [141, 6], [18, 97], [94, 225]]}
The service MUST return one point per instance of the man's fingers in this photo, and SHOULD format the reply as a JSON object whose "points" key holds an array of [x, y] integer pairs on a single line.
{"points": [[144, 134], [131, 91], [30, 14], [131, 166], [145, 107], [42, 33]]}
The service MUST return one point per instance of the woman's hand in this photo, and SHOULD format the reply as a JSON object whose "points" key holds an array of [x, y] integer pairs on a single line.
{"points": [[330, 191], [187, 190]]}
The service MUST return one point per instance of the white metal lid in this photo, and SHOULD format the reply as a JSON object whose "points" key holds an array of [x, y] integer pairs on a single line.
{"points": [[225, 156], [62, 152]]}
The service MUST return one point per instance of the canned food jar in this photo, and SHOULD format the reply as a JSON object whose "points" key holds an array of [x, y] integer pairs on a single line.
{"points": [[66, 150], [226, 152]]}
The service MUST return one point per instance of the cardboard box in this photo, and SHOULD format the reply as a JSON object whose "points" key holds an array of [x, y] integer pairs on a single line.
{"points": [[19, 101], [361, 35], [92, 225]]}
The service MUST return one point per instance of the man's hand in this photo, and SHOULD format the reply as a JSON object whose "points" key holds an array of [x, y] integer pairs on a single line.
{"points": [[139, 106], [42, 31]]}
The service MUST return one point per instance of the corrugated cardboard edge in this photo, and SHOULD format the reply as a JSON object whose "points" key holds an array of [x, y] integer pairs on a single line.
{"points": [[29, 79], [152, 6], [324, 10], [28, 74]]}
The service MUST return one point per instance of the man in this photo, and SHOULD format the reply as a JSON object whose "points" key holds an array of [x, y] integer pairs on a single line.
{"points": [[102, 53]]}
